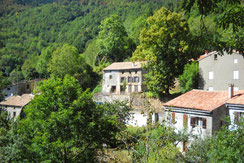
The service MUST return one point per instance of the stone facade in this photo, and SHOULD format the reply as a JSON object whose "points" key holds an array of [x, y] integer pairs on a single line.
{"points": [[123, 78], [15, 104], [19, 88], [217, 71]]}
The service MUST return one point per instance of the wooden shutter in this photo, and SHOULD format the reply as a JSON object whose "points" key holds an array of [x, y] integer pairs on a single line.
{"points": [[193, 121], [204, 123], [185, 120], [173, 117], [237, 116]]}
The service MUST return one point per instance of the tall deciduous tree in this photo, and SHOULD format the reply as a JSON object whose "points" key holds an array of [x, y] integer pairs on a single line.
{"points": [[229, 16], [66, 60], [63, 124], [189, 79], [113, 41], [164, 45]]}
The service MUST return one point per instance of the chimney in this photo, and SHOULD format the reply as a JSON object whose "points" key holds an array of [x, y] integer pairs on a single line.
{"points": [[206, 52], [231, 90]]}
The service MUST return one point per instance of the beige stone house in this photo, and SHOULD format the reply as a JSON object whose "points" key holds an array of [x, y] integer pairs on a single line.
{"points": [[15, 104], [123, 78]]}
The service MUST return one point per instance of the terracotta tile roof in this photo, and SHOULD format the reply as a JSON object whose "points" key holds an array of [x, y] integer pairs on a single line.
{"points": [[206, 55], [124, 66], [237, 99], [18, 100], [200, 100]]}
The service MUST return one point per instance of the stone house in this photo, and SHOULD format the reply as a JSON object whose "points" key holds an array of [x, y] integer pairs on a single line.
{"points": [[15, 104], [24, 87], [123, 78], [217, 71], [198, 112]]}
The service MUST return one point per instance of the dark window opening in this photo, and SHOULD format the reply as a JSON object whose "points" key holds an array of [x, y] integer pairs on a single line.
{"points": [[122, 89], [123, 72], [122, 79], [130, 80], [110, 76], [129, 72], [14, 114], [113, 89], [28, 86], [135, 72], [136, 79]]}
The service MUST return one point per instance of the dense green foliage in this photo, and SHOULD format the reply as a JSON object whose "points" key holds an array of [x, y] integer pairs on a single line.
{"points": [[189, 79], [62, 124], [228, 17], [25, 35], [113, 41], [165, 47], [224, 146], [66, 60], [157, 144]]}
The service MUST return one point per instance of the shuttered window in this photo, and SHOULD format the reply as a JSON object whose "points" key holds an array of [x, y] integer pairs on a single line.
{"points": [[185, 120], [204, 123], [173, 117], [237, 117], [198, 121]]}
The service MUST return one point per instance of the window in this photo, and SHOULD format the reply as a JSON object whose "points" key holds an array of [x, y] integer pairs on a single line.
{"points": [[28, 86], [14, 114], [136, 88], [129, 72], [110, 77], [210, 75], [122, 89], [238, 115], [210, 89], [136, 79], [135, 72], [123, 72], [130, 80], [122, 79], [197, 121], [236, 74], [235, 61], [113, 89], [8, 88], [129, 88]]}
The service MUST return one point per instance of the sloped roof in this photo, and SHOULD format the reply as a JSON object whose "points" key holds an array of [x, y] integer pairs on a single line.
{"points": [[237, 99], [206, 55], [124, 66], [18, 100], [200, 100]]}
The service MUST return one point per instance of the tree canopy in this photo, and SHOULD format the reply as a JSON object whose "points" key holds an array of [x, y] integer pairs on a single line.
{"points": [[66, 60], [64, 124], [164, 45], [190, 77], [113, 41]]}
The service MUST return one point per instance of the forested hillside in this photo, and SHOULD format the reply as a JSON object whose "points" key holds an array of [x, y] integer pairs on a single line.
{"points": [[25, 34], [30, 31]]}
